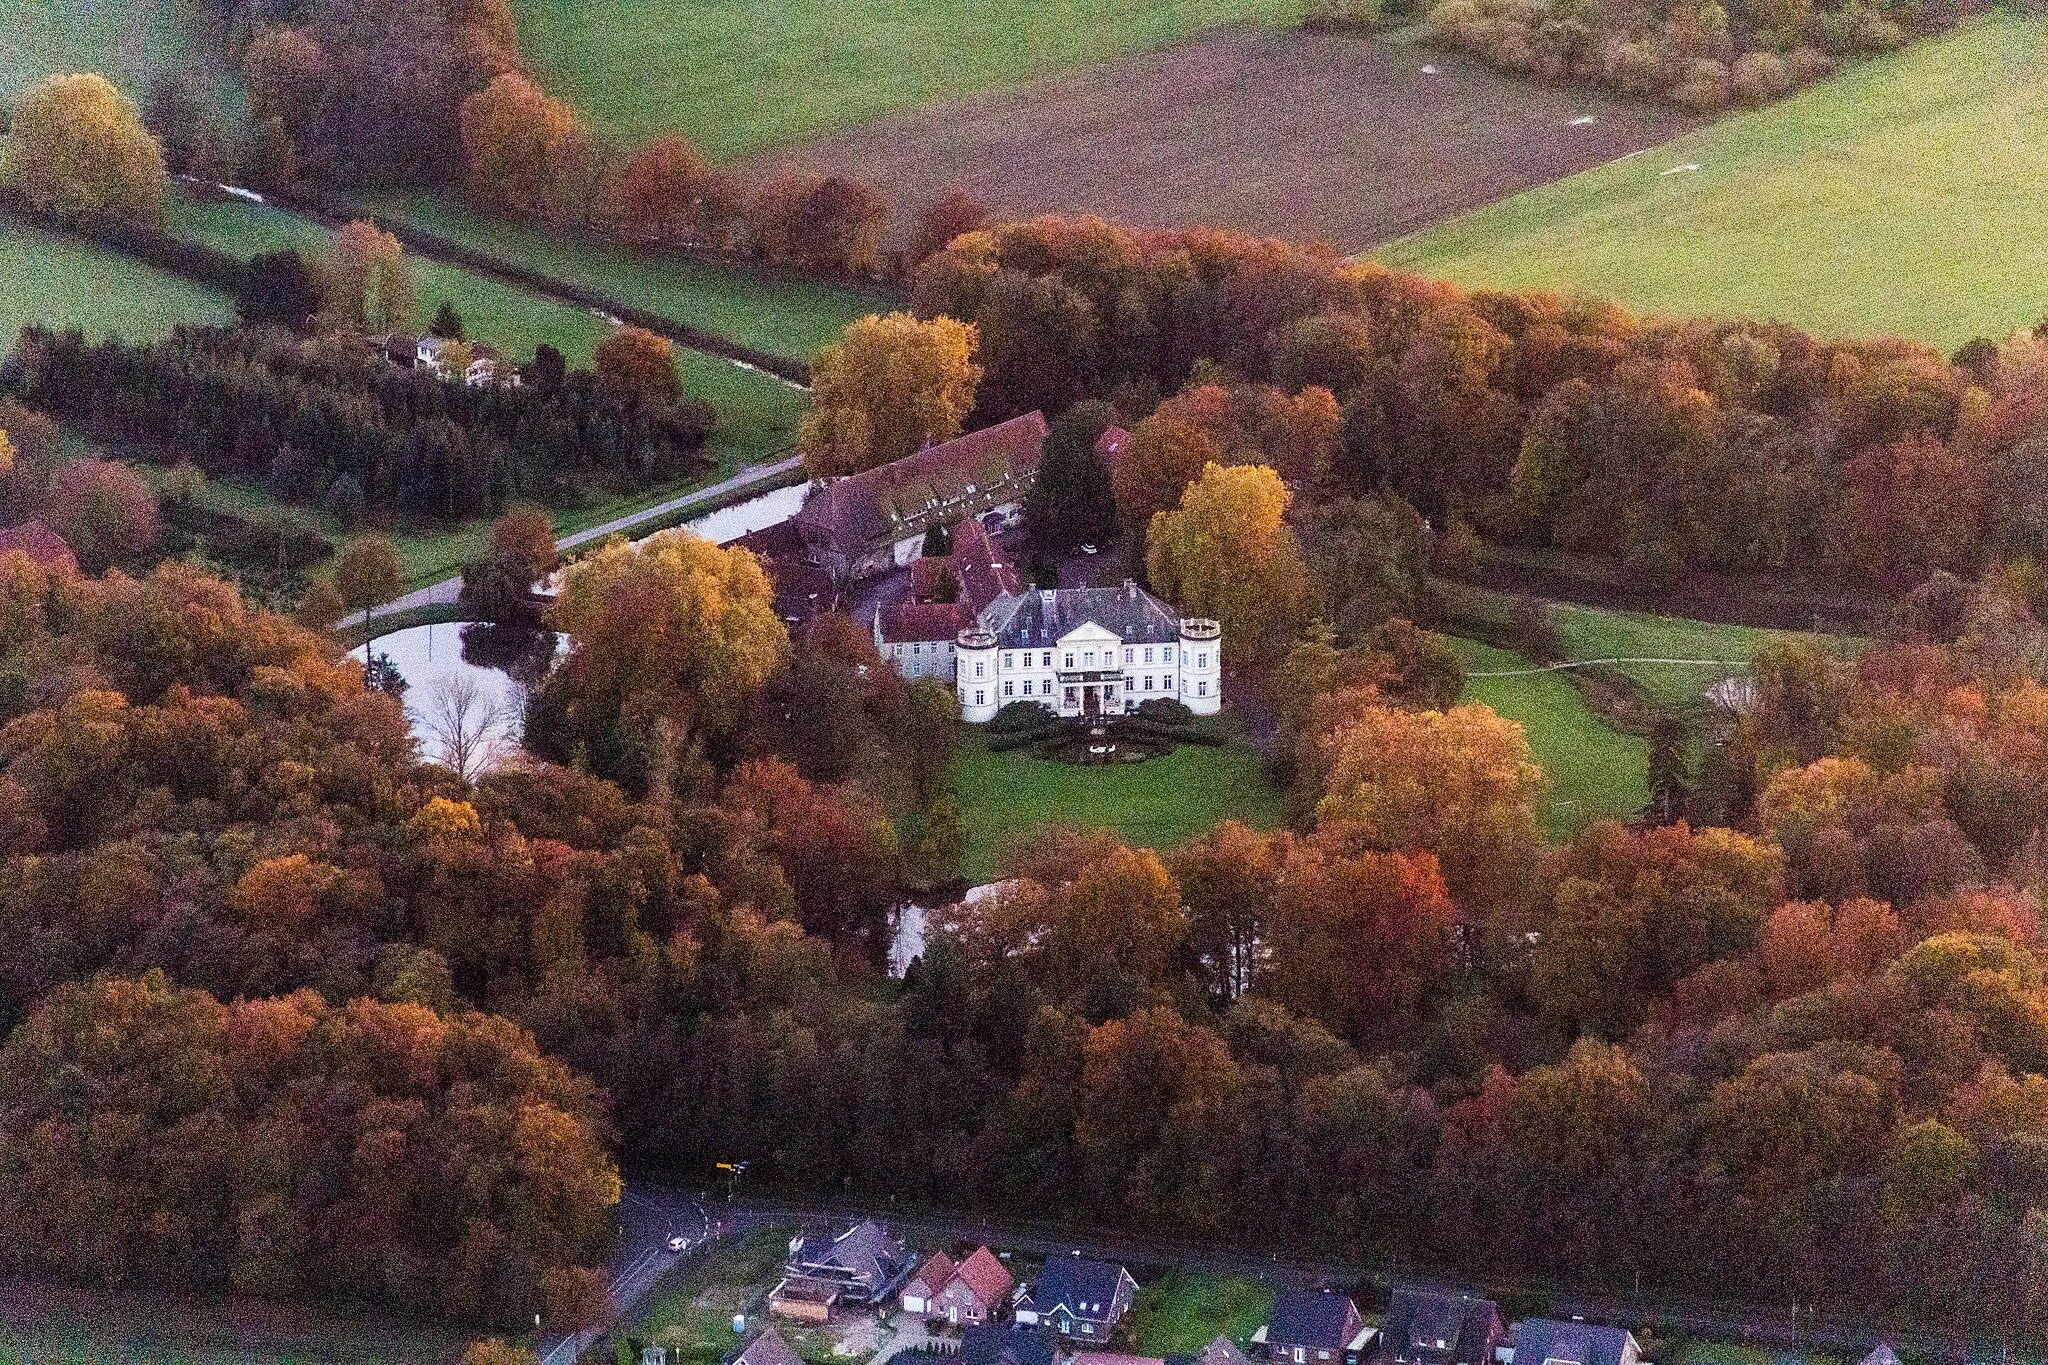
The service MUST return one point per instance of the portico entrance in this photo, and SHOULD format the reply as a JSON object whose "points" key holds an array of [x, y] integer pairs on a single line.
{"points": [[1090, 696]]}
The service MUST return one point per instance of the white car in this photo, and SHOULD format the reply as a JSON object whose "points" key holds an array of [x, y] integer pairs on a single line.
{"points": [[678, 1243], [1087, 549]]}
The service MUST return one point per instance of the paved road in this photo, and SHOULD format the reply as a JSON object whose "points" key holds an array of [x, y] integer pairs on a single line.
{"points": [[448, 589], [649, 1214]]}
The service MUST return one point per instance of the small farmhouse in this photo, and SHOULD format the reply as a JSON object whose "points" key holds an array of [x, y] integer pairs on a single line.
{"points": [[1314, 1328], [976, 1293], [861, 1266], [1076, 1298], [876, 520]]}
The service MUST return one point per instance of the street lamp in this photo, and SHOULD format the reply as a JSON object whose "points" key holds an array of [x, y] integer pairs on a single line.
{"points": [[733, 1171]]}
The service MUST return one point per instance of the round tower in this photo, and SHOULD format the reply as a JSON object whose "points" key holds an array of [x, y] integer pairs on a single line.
{"points": [[974, 675], [1201, 666]]}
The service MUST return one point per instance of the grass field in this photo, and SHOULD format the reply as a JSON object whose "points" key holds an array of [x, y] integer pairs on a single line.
{"points": [[128, 42], [1160, 803], [1905, 195], [692, 1314], [757, 414], [783, 316], [1594, 769], [65, 282], [1184, 1310], [740, 75], [44, 1324]]}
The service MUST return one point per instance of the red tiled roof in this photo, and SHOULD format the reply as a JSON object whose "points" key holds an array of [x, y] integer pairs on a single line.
{"points": [[936, 1272], [985, 1275], [979, 568], [36, 540], [926, 572], [945, 482], [907, 621], [1112, 441]]}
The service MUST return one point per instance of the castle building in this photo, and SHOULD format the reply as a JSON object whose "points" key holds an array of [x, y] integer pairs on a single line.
{"points": [[1086, 652]]}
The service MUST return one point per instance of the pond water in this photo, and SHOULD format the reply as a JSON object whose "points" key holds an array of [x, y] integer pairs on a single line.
{"points": [[488, 669], [755, 514]]}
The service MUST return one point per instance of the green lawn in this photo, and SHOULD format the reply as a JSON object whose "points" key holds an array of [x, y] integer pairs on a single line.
{"points": [[65, 282], [740, 75], [1161, 803], [784, 316], [757, 413], [1594, 770], [1905, 195], [1184, 1310], [692, 1313]]}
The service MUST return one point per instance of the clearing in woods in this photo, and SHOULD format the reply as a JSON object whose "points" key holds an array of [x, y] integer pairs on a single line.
{"points": [[1309, 136], [64, 282], [1905, 195]]}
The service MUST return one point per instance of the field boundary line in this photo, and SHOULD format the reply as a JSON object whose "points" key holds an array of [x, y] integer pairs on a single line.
{"points": [[1595, 663]]}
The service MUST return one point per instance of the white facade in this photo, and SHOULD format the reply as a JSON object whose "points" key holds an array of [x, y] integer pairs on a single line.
{"points": [[1087, 668]]}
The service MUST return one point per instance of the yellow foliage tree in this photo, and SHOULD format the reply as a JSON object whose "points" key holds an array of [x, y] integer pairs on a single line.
{"points": [[1227, 552], [1455, 783], [885, 389], [366, 280], [676, 628], [77, 146]]}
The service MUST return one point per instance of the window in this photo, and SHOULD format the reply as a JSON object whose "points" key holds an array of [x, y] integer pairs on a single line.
{"points": [[1070, 661], [1073, 697], [1298, 1353], [1148, 654], [1010, 689], [1007, 661], [1202, 659], [1089, 658], [1148, 682], [980, 668], [1027, 687], [979, 698], [917, 649], [1128, 656], [1047, 663], [1201, 689], [1169, 654]]}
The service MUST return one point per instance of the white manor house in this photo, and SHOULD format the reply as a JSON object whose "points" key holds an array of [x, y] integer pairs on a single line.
{"points": [[1086, 652]]}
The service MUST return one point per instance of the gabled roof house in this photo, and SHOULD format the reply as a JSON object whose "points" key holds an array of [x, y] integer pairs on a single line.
{"points": [[1077, 1298], [1428, 1327], [1314, 1328], [1547, 1341]]}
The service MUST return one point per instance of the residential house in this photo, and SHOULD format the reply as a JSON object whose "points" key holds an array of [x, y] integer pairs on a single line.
{"points": [[976, 1293], [1547, 1341], [1425, 1327], [862, 1265], [766, 1349], [867, 523], [1077, 1298], [1086, 652], [1314, 1328], [1007, 1344], [924, 1284], [1221, 1351], [44, 547]]}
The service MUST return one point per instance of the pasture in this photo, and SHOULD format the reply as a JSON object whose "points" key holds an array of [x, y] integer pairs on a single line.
{"points": [[757, 413], [1905, 195], [1310, 136], [128, 42], [784, 315], [737, 76], [1594, 769], [62, 281], [1157, 804]]}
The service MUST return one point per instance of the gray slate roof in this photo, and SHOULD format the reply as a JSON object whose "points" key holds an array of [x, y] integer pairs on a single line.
{"points": [[1087, 1288], [1537, 1340], [1419, 1318], [1040, 618], [767, 1349], [1311, 1318]]}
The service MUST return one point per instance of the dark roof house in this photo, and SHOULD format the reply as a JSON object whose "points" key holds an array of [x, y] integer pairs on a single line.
{"points": [[1426, 1327], [1077, 1297], [852, 525], [1009, 1344], [1042, 617], [767, 1349], [1547, 1341], [1221, 1351], [1319, 1326]]}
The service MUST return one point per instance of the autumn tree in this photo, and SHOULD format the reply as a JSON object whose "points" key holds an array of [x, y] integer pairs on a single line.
{"points": [[1227, 552], [1154, 1114], [940, 221], [366, 575], [1227, 878], [836, 846], [77, 147], [890, 386], [525, 536], [104, 510], [366, 280], [638, 366], [1368, 559], [1456, 783], [654, 198], [673, 640], [526, 153], [287, 72]]}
